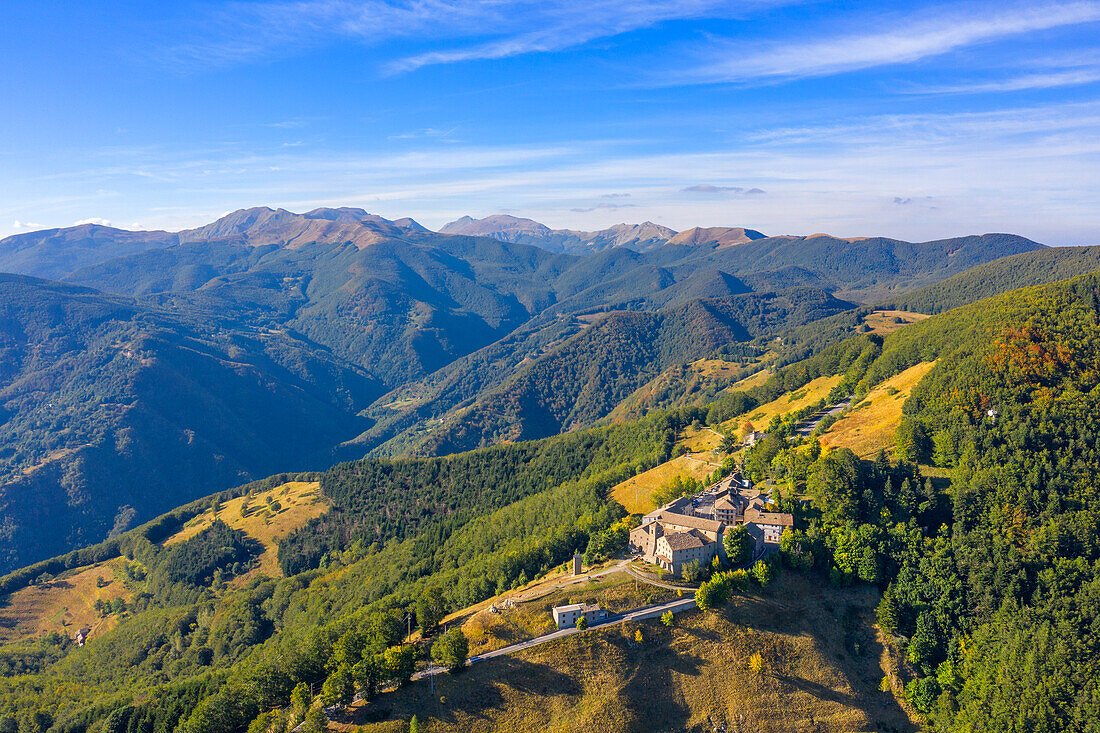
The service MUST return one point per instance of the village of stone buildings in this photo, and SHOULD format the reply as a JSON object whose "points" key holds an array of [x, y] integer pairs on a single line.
{"points": [[691, 529]]}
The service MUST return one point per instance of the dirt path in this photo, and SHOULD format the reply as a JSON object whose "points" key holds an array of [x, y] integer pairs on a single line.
{"points": [[690, 457], [639, 576], [544, 590]]}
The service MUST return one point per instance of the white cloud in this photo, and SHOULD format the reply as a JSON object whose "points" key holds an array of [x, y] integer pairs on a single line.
{"points": [[17, 225], [903, 40], [93, 220]]}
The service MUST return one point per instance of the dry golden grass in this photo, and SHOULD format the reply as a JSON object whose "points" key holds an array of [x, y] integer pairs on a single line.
{"points": [[701, 440], [636, 493], [882, 322], [716, 368], [871, 425], [760, 417], [64, 605], [821, 672], [753, 380], [299, 502]]}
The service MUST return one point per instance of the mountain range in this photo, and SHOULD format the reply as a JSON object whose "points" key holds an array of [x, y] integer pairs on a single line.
{"points": [[639, 237], [144, 369]]}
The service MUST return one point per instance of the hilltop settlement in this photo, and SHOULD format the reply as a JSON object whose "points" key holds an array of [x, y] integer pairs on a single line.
{"points": [[690, 529]]}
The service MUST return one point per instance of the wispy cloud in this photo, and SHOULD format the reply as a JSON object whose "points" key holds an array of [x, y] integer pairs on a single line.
{"points": [[706, 188], [598, 207], [901, 40], [1046, 80], [446, 136], [488, 29], [555, 25], [93, 220]]}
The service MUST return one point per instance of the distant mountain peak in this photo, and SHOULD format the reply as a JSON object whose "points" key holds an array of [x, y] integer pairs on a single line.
{"points": [[496, 226], [264, 226], [718, 236], [508, 228]]}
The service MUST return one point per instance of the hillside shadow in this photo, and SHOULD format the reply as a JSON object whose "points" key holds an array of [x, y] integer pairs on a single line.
{"points": [[839, 624], [649, 697], [819, 691]]}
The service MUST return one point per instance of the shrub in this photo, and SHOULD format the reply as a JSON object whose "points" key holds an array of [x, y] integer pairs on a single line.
{"points": [[738, 544], [451, 650], [764, 572]]}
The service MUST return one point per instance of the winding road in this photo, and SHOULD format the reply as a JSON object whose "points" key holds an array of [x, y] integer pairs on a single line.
{"points": [[638, 614], [807, 428]]}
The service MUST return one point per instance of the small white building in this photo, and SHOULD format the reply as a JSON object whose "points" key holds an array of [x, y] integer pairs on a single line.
{"points": [[566, 616], [752, 438], [82, 636]]}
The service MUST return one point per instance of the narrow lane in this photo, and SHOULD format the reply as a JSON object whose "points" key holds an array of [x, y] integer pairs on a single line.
{"points": [[638, 614]]}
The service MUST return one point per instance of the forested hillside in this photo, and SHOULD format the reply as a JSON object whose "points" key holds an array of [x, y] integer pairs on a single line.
{"points": [[1000, 276], [115, 411], [582, 380], [991, 590], [1000, 611]]}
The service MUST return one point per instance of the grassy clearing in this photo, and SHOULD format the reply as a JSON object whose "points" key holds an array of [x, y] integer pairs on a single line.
{"points": [[883, 322], [636, 494], [816, 390], [754, 380], [701, 440], [65, 604], [536, 589], [872, 423], [717, 368], [821, 672], [299, 501]]}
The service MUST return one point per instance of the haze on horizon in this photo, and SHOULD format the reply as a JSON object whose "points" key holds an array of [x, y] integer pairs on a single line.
{"points": [[919, 121]]}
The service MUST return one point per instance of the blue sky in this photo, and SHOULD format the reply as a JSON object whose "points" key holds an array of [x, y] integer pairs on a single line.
{"points": [[913, 120]]}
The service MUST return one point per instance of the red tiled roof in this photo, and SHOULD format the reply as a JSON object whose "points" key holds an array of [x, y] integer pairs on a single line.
{"points": [[773, 518]]}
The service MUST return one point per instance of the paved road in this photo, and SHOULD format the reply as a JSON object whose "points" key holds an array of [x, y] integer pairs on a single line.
{"points": [[808, 427], [639, 614]]}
